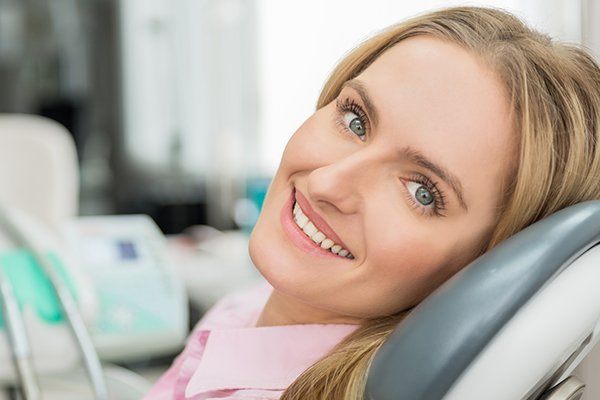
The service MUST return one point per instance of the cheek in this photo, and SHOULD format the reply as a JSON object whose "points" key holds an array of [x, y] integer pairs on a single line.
{"points": [[410, 258], [407, 259], [429, 259]]}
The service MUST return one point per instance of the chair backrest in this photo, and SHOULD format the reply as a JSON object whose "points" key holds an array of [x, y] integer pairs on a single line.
{"points": [[38, 167], [509, 325]]}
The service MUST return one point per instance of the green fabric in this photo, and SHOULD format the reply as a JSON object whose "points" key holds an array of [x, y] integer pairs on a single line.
{"points": [[31, 286]]}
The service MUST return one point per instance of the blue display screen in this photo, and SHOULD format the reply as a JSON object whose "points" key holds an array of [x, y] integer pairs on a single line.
{"points": [[127, 250]]}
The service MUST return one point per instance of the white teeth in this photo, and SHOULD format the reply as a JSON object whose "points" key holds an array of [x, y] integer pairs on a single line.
{"points": [[315, 235], [310, 229], [327, 243], [318, 237], [336, 248], [301, 220]]}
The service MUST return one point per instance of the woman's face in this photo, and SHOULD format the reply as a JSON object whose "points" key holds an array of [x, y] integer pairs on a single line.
{"points": [[404, 170]]}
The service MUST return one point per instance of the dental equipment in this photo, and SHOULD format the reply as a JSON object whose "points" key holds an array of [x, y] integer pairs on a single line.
{"points": [[67, 303], [143, 309], [18, 341], [134, 308]]}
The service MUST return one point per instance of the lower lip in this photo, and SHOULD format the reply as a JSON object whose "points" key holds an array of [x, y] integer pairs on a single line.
{"points": [[297, 235]]}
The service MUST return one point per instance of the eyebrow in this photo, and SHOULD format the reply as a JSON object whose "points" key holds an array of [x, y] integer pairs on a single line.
{"points": [[416, 157], [413, 155], [364, 96]]}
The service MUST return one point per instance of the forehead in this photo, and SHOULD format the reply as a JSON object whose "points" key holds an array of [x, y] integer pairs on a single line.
{"points": [[439, 98]]}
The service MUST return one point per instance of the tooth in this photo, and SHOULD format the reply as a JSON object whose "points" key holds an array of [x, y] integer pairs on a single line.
{"points": [[350, 256], [327, 243], [310, 229], [315, 235], [301, 220], [318, 237]]}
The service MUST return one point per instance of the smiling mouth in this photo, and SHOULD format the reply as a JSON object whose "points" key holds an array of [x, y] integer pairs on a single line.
{"points": [[310, 230]]}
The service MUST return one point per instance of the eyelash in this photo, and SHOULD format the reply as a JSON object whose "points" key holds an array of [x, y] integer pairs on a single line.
{"points": [[349, 105], [439, 199]]}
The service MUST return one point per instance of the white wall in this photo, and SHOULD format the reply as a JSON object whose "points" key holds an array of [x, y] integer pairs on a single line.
{"points": [[190, 69], [189, 82], [590, 27], [300, 43]]}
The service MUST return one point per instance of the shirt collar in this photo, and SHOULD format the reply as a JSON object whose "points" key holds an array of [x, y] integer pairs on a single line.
{"points": [[270, 357]]}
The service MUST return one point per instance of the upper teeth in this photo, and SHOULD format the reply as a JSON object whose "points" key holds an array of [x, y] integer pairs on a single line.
{"points": [[318, 237]]}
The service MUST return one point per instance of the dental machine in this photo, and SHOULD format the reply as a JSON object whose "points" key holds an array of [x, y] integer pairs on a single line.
{"points": [[75, 291]]}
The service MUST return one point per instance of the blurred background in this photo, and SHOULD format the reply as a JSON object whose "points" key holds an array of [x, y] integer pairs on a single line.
{"points": [[181, 109]]}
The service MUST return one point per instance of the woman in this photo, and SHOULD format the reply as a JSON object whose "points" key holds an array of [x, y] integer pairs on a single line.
{"points": [[432, 142]]}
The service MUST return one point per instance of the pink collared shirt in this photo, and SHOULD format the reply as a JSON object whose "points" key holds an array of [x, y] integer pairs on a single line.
{"points": [[228, 357]]}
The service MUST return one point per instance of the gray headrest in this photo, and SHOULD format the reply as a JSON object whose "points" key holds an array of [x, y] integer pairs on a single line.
{"points": [[442, 335]]}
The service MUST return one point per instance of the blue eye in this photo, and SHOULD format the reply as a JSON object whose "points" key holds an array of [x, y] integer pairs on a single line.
{"points": [[424, 195], [352, 118], [421, 193], [354, 123]]}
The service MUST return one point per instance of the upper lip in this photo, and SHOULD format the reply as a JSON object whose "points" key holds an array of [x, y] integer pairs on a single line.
{"points": [[317, 220]]}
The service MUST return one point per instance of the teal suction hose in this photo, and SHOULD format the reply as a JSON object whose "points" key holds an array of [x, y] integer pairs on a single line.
{"points": [[67, 303]]}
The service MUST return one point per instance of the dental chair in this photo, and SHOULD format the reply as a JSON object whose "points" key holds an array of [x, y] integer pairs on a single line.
{"points": [[520, 322], [40, 172]]}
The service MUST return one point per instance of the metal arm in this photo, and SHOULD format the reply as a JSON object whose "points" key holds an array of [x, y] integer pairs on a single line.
{"points": [[68, 305], [18, 341]]}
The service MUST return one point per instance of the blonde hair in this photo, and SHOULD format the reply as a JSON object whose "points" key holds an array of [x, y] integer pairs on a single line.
{"points": [[554, 90]]}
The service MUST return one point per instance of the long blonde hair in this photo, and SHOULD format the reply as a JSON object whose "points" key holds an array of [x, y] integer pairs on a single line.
{"points": [[554, 89]]}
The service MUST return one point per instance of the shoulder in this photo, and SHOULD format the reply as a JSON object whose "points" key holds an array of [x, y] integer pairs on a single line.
{"points": [[237, 309]]}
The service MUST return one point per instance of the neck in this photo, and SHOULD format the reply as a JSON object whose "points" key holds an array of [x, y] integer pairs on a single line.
{"points": [[281, 309]]}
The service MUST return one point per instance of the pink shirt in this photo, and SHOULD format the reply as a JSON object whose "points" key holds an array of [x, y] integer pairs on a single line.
{"points": [[228, 357]]}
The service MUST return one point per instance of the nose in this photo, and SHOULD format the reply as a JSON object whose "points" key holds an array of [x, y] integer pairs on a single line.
{"points": [[341, 183]]}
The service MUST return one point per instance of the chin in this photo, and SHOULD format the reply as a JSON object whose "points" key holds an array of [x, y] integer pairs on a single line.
{"points": [[287, 273], [263, 255], [272, 262], [256, 249]]}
